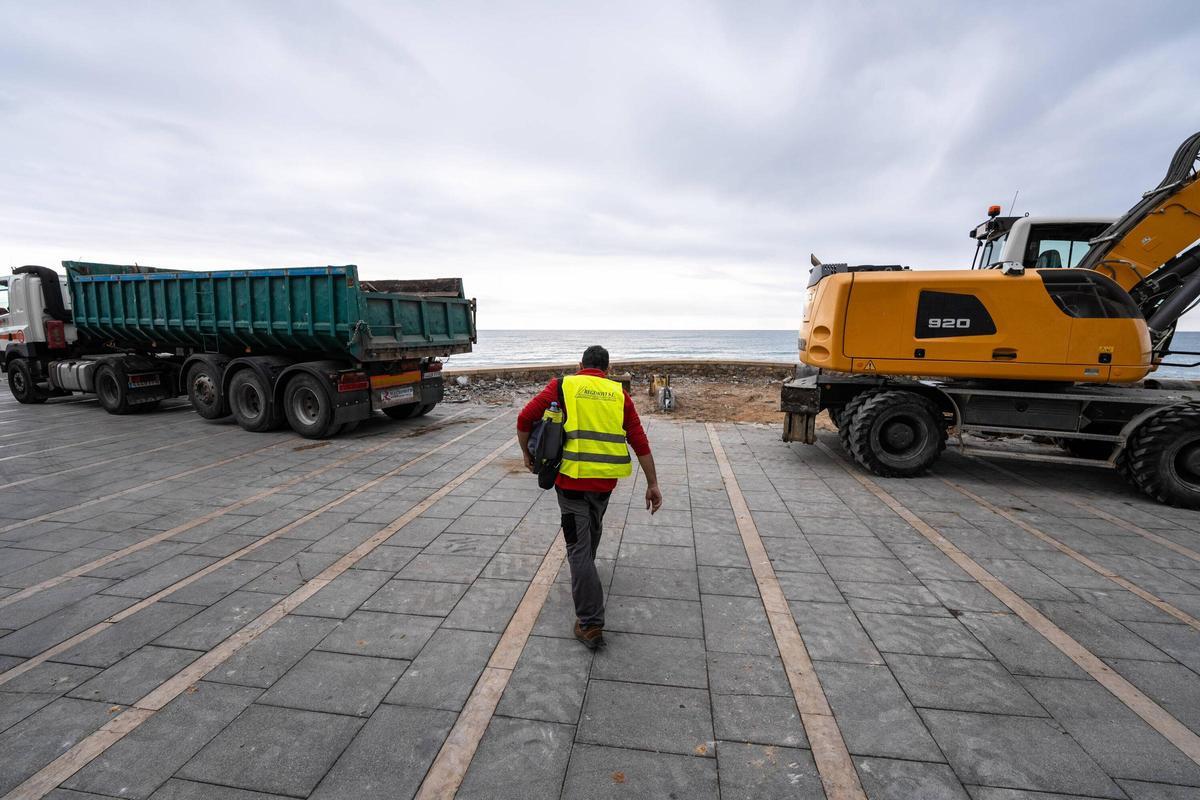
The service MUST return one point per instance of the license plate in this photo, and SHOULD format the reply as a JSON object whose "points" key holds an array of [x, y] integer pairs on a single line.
{"points": [[397, 394]]}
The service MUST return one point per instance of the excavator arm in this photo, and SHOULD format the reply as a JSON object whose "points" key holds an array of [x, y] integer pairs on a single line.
{"points": [[1153, 251]]}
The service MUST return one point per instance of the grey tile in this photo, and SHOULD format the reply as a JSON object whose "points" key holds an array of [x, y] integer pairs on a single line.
{"points": [[15, 706], [371, 633], [270, 655], [740, 673], [512, 567], [601, 773], [208, 628], [454, 569], [670, 584], [1099, 633], [1119, 740], [444, 673], [1016, 752], [279, 750], [1138, 790], [33, 608], [390, 755], [290, 574], [758, 772], [487, 606], [656, 556], [144, 759], [661, 718], [759, 719], [883, 598], [61, 625], [831, 632], [1022, 650], [549, 681], [220, 583], [50, 678], [962, 684], [888, 779], [190, 790], [666, 660], [736, 581], [737, 625], [336, 683], [875, 717], [45, 735], [896, 633], [518, 759], [1173, 686], [132, 678], [426, 598], [129, 635], [657, 617], [877, 570], [809, 587], [342, 597]]}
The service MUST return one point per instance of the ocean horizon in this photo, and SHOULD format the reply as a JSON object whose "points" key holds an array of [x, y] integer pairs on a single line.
{"points": [[497, 348]]}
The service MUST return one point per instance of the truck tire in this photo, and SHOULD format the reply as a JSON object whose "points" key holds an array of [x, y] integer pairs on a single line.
{"points": [[22, 384], [204, 391], [1162, 457], [111, 390], [846, 416], [424, 409], [309, 408], [406, 411], [251, 404], [897, 434]]}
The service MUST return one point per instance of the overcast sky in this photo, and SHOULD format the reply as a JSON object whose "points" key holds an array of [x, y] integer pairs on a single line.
{"points": [[604, 165]]}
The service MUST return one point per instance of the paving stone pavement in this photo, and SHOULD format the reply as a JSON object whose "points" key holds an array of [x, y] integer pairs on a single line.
{"points": [[938, 689]]}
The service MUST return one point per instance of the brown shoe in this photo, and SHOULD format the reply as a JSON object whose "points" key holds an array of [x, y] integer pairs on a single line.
{"points": [[592, 636]]}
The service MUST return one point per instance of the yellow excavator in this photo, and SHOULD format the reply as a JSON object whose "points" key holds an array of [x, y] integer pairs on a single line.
{"points": [[1051, 335]]}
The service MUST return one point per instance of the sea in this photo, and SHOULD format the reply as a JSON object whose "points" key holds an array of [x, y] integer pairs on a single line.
{"points": [[498, 348]]}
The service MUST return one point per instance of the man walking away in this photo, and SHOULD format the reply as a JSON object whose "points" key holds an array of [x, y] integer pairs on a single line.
{"points": [[600, 420]]}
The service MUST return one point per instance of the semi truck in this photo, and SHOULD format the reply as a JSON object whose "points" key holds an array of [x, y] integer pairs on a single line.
{"points": [[1054, 334], [316, 348]]}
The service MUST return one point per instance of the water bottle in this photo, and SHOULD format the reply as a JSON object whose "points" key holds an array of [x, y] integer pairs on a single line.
{"points": [[554, 413]]}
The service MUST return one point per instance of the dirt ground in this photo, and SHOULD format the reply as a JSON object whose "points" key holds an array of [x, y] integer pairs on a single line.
{"points": [[705, 398]]}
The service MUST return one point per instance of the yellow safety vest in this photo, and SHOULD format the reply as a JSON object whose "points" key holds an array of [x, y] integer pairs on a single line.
{"points": [[595, 429]]}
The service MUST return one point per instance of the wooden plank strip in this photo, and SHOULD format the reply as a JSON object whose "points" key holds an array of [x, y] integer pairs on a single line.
{"points": [[450, 766], [832, 758], [1154, 715]]}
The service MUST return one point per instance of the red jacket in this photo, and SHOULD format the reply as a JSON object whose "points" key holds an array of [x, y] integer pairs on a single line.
{"points": [[634, 433]]}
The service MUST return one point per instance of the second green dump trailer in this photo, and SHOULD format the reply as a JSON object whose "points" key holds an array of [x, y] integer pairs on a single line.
{"points": [[316, 348]]}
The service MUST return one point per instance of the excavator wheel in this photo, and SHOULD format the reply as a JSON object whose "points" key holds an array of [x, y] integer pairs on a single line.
{"points": [[897, 434], [846, 415], [1162, 457]]}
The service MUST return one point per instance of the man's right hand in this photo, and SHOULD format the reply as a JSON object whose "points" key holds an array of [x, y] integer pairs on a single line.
{"points": [[529, 462], [653, 498]]}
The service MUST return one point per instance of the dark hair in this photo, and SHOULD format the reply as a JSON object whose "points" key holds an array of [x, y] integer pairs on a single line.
{"points": [[595, 357]]}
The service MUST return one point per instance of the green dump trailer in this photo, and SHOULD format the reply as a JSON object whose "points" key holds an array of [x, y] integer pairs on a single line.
{"points": [[315, 347]]}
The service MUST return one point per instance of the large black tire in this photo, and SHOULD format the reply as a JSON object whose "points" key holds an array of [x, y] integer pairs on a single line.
{"points": [[251, 403], [112, 390], [308, 407], [1162, 457], [845, 417], [424, 409], [406, 411], [204, 391], [897, 434], [22, 384]]}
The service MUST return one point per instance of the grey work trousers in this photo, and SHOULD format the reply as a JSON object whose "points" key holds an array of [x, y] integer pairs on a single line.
{"points": [[583, 524]]}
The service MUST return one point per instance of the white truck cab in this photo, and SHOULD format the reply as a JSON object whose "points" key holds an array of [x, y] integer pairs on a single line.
{"points": [[1034, 242], [23, 314]]}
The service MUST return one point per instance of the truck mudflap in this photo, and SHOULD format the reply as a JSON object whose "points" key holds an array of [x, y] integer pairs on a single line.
{"points": [[800, 401]]}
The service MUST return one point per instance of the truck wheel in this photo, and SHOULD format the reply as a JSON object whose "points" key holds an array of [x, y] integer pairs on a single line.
{"points": [[406, 411], [845, 417], [250, 402], [22, 384], [1162, 457], [897, 434], [308, 407], [204, 391], [111, 390], [424, 409]]}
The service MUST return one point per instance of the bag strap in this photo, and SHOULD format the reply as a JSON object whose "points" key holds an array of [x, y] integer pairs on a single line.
{"points": [[562, 402]]}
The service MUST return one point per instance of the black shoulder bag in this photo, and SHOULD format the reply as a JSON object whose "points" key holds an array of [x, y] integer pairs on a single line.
{"points": [[546, 442]]}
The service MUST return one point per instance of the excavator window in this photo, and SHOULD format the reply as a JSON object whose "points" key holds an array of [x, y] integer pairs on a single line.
{"points": [[1084, 294], [1054, 246]]}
